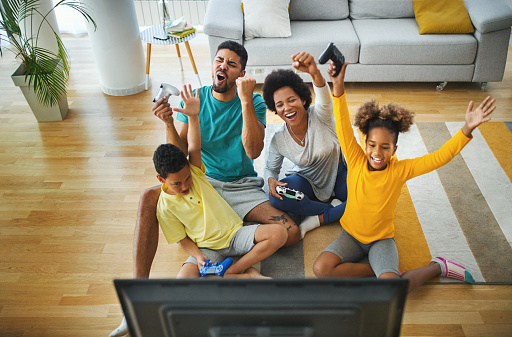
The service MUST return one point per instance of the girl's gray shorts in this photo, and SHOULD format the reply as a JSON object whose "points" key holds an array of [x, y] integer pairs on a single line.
{"points": [[382, 254], [241, 244]]}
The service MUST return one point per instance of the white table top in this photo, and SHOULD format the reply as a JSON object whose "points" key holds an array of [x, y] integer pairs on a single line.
{"points": [[148, 34]]}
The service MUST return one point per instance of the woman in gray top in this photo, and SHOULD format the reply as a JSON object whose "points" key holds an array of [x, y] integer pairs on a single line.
{"points": [[308, 139]]}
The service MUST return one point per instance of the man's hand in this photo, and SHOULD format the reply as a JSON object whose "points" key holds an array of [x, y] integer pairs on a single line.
{"points": [[163, 111], [245, 87], [479, 116], [191, 103]]}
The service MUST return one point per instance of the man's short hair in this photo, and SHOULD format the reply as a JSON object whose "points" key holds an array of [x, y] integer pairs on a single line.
{"points": [[169, 158], [237, 48]]}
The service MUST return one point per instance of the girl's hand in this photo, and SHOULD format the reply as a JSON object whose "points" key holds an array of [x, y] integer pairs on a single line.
{"points": [[163, 111], [191, 103], [338, 82], [479, 116], [272, 183]]}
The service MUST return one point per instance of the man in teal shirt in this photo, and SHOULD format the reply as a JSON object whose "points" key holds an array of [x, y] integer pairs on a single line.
{"points": [[232, 120]]}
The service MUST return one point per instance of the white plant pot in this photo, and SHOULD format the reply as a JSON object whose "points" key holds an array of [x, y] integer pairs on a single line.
{"points": [[42, 113]]}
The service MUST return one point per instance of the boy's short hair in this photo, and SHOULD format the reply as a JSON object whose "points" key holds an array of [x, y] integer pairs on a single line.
{"points": [[168, 158], [237, 48]]}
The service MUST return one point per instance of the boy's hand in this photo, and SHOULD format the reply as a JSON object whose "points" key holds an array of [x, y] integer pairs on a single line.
{"points": [[245, 86], [479, 116], [191, 102], [163, 111], [201, 260], [338, 82]]}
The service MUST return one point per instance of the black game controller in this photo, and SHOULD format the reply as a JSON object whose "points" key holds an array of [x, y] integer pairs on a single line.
{"points": [[334, 54]]}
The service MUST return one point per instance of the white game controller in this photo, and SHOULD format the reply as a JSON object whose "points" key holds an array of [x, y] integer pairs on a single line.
{"points": [[166, 90], [289, 193]]}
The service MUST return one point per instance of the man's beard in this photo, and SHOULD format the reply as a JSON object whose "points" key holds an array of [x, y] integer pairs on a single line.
{"points": [[225, 87]]}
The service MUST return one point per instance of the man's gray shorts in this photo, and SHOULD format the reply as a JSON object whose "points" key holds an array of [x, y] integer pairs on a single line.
{"points": [[382, 254], [242, 195], [241, 244]]}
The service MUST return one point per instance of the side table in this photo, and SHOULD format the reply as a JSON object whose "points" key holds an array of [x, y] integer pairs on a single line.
{"points": [[147, 36]]}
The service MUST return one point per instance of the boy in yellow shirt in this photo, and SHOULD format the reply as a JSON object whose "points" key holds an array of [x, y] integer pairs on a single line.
{"points": [[190, 211], [374, 182]]}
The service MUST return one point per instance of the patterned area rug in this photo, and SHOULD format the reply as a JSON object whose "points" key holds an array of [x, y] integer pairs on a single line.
{"points": [[462, 211]]}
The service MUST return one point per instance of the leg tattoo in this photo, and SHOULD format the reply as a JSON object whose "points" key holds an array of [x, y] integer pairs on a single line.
{"points": [[281, 218]]}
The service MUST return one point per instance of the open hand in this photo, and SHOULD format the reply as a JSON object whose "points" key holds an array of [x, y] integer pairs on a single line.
{"points": [[191, 102], [478, 116]]}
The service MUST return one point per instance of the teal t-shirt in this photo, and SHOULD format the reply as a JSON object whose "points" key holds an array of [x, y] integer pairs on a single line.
{"points": [[221, 135]]}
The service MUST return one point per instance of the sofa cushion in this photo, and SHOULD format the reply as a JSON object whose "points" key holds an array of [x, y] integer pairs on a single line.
{"points": [[442, 17], [381, 9], [309, 36], [318, 9], [257, 15], [397, 41]]}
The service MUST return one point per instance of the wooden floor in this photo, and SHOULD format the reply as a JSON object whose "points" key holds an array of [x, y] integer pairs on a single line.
{"points": [[69, 192]]}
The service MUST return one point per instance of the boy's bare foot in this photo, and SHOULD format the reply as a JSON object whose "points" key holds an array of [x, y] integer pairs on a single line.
{"points": [[253, 273]]}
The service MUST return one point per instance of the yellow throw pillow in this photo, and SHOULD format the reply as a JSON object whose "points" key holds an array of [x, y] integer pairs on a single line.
{"points": [[442, 17]]}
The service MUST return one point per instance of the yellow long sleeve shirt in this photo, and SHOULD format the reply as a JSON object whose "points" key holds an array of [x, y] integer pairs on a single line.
{"points": [[372, 195]]}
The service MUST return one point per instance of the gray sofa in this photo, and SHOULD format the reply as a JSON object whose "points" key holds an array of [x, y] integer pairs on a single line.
{"points": [[378, 37]]}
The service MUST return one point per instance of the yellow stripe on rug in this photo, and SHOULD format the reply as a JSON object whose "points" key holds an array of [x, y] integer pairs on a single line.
{"points": [[499, 138], [413, 251]]}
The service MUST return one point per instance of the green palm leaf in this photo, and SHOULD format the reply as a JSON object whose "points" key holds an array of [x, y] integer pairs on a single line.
{"points": [[47, 76]]}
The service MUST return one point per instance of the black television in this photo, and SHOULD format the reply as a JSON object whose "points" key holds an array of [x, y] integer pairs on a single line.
{"points": [[242, 308]]}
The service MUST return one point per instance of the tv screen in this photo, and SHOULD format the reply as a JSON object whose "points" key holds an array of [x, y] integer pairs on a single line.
{"points": [[235, 307]]}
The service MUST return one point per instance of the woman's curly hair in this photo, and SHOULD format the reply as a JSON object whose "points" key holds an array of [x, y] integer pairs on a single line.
{"points": [[281, 78], [393, 117]]}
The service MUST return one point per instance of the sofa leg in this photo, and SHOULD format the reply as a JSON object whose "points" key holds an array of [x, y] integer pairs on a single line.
{"points": [[440, 86], [483, 86]]}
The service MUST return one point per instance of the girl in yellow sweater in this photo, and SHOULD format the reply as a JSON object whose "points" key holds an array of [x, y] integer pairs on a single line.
{"points": [[374, 182]]}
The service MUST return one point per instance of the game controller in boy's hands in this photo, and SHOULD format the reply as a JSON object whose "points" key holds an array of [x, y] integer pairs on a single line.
{"points": [[334, 54], [166, 90], [215, 268], [290, 193]]}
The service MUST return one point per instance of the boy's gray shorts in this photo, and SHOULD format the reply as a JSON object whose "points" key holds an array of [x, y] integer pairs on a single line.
{"points": [[241, 244], [242, 195], [382, 254]]}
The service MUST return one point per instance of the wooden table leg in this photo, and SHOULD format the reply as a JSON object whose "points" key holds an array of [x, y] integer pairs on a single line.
{"points": [[148, 62], [192, 61], [179, 55]]}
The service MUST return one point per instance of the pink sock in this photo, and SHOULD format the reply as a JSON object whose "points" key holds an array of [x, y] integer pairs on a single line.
{"points": [[453, 270]]}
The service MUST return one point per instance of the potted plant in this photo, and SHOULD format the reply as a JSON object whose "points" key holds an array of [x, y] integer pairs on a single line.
{"points": [[43, 73]]}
